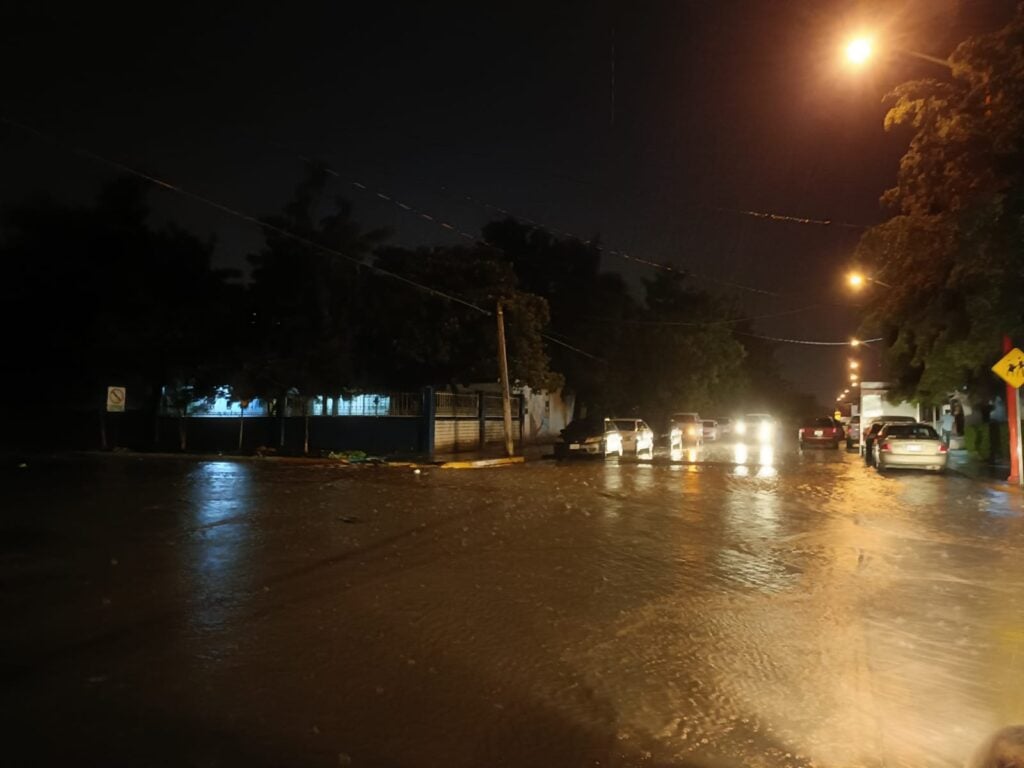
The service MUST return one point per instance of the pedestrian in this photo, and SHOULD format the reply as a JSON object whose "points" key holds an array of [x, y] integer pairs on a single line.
{"points": [[947, 427]]}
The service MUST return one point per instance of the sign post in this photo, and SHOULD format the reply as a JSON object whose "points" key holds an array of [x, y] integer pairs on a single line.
{"points": [[1011, 370], [115, 399]]}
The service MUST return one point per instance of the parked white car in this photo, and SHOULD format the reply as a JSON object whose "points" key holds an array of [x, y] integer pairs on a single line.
{"points": [[637, 437]]}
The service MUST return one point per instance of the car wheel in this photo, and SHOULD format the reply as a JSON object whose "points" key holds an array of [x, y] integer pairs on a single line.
{"points": [[849, 445], [835, 446]]}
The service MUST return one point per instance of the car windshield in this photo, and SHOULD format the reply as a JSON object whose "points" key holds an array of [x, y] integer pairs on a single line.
{"points": [[709, 423], [684, 418], [911, 432], [625, 425], [724, 422]]}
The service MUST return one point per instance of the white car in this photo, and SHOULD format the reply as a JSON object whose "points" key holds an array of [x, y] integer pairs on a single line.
{"points": [[710, 431], [755, 428], [910, 446], [637, 437], [686, 429]]}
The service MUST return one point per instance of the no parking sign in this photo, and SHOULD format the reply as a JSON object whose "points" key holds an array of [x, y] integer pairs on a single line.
{"points": [[115, 399]]}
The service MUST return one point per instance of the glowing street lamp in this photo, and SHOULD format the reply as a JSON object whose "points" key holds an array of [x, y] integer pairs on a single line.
{"points": [[854, 342], [859, 50], [857, 280], [854, 365]]}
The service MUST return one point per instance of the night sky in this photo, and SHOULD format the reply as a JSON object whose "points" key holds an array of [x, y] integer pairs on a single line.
{"points": [[716, 106]]}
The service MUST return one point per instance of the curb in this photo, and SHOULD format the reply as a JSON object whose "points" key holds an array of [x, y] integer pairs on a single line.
{"points": [[483, 463]]}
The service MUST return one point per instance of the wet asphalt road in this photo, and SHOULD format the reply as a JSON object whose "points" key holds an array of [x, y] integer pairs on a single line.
{"points": [[791, 610]]}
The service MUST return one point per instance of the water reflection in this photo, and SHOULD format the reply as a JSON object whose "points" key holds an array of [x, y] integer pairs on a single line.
{"points": [[690, 455], [218, 493], [765, 460]]}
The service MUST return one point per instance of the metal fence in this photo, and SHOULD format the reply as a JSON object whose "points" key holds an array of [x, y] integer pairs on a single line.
{"points": [[370, 404], [452, 404], [466, 422]]}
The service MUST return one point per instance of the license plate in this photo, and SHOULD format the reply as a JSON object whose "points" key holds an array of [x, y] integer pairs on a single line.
{"points": [[574, 446], [914, 448], [818, 433]]}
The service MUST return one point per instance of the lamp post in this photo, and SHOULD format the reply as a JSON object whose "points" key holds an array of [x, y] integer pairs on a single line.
{"points": [[860, 50], [856, 280]]}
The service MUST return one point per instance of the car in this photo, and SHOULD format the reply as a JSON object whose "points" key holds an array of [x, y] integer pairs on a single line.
{"points": [[873, 429], [724, 426], [590, 437], [709, 429], [820, 430], [755, 428], [637, 437], [686, 429], [910, 446], [853, 433]]}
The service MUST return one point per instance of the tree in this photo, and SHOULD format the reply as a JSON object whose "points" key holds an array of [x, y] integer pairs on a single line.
{"points": [[413, 337], [680, 354], [103, 297], [587, 305], [306, 298], [954, 250]]}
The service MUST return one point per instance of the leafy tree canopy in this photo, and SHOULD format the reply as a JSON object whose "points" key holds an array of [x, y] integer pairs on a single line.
{"points": [[954, 250]]}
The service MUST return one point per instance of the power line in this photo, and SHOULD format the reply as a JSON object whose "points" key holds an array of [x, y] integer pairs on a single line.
{"points": [[245, 216], [805, 342], [279, 230]]}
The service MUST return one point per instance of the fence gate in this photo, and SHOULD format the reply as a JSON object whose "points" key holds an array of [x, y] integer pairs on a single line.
{"points": [[467, 422]]}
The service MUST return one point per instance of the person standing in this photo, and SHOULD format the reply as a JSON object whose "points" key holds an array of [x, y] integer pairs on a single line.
{"points": [[947, 427]]}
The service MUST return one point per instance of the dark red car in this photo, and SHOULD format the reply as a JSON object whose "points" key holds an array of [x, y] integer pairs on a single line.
{"points": [[821, 431]]}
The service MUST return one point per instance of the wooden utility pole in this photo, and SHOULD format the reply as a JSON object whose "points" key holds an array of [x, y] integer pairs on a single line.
{"points": [[506, 398]]}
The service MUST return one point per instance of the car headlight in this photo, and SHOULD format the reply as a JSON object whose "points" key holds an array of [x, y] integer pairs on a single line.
{"points": [[691, 431], [764, 431], [740, 428]]}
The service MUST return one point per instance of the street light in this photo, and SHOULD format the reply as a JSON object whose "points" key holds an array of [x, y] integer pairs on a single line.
{"points": [[857, 280], [860, 49], [854, 364], [854, 342]]}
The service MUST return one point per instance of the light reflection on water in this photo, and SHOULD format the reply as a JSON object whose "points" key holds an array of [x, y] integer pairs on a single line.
{"points": [[217, 544]]}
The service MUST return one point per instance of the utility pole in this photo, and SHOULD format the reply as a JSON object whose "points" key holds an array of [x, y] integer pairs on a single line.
{"points": [[506, 398], [1013, 417]]}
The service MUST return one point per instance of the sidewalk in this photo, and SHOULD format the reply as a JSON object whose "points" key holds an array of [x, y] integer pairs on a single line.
{"points": [[491, 456], [994, 475]]}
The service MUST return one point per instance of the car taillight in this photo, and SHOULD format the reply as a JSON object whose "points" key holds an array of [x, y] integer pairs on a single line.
{"points": [[943, 448], [885, 447]]}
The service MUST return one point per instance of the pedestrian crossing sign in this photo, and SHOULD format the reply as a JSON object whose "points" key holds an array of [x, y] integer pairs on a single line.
{"points": [[1011, 368]]}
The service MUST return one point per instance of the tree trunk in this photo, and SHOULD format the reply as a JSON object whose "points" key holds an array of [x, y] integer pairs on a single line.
{"points": [[241, 427], [103, 429], [182, 433], [305, 420], [282, 409]]}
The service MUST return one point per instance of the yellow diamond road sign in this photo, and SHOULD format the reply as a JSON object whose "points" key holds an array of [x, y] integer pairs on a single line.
{"points": [[1011, 368]]}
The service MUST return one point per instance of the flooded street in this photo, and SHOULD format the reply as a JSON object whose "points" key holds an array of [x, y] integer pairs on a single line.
{"points": [[759, 609]]}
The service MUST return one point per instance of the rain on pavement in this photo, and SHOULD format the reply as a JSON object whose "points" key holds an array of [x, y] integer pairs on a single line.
{"points": [[779, 610]]}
